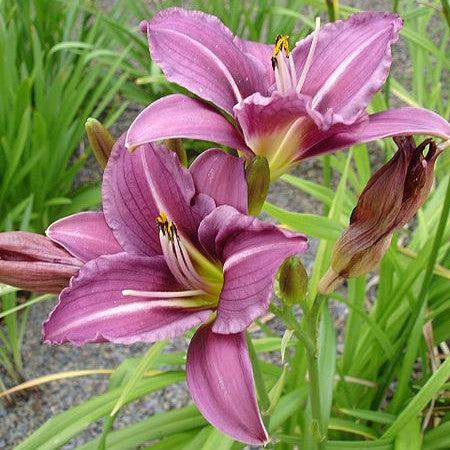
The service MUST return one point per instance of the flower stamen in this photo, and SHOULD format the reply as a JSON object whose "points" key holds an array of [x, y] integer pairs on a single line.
{"points": [[285, 76], [177, 256]]}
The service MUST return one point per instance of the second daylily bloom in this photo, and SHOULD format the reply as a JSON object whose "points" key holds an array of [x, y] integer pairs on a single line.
{"points": [[174, 249], [286, 106]]}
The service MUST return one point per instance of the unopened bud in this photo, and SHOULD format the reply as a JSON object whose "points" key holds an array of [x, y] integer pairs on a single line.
{"points": [[257, 173], [293, 281], [100, 139], [391, 198], [35, 263], [176, 145]]}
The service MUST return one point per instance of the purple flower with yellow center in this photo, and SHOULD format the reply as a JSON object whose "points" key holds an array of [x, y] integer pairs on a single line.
{"points": [[266, 100], [174, 249]]}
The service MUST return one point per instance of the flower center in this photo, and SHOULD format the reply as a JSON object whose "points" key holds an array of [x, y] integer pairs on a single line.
{"points": [[283, 63], [200, 278], [177, 256]]}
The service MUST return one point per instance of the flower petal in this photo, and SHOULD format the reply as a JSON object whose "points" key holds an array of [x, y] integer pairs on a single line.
{"points": [[85, 235], [260, 54], [197, 51], [33, 262], [222, 177], [350, 64], [220, 379], [93, 308], [251, 252], [173, 190], [179, 116], [394, 122], [128, 204], [277, 127]]}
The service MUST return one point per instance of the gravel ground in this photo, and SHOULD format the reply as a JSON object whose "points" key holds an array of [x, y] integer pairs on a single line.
{"points": [[34, 407]]}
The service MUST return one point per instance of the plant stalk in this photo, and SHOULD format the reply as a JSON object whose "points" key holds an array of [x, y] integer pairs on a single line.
{"points": [[289, 319], [257, 375], [446, 11], [333, 9], [312, 327]]}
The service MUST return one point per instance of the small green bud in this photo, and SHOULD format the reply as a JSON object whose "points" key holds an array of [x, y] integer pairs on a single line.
{"points": [[176, 145], [293, 281], [100, 139], [257, 173]]}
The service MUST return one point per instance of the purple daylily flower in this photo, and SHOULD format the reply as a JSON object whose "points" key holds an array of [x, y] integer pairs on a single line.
{"points": [[203, 261], [286, 106]]}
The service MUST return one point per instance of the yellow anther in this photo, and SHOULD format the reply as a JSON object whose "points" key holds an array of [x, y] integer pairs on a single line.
{"points": [[171, 230], [281, 43], [165, 226]]}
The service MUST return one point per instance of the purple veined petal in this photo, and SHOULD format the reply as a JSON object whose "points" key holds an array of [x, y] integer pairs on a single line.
{"points": [[179, 116], [128, 204], [251, 252], [172, 187], [350, 64], [33, 262], [220, 379], [394, 122], [277, 127], [261, 54], [222, 177], [85, 235], [93, 308], [197, 51]]}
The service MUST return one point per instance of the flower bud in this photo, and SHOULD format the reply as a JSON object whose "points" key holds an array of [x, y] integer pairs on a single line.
{"points": [[257, 173], [100, 139], [293, 281], [391, 198], [33, 262], [176, 145]]}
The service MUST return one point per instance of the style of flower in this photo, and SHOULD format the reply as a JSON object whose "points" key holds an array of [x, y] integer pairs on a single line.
{"points": [[392, 196], [266, 100], [173, 249]]}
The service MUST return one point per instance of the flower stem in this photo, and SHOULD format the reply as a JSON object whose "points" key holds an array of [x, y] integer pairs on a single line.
{"points": [[446, 11], [333, 9], [289, 319], [307, 333], [257, 375], [312, 326], [436, 244]]}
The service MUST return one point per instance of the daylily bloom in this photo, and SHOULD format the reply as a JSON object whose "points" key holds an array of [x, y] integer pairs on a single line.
{"points": [[183, 253], [266, 100], [391, 198]]}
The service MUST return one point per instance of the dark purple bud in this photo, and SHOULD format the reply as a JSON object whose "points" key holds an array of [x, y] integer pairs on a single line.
{"points": [[391, 198]]}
